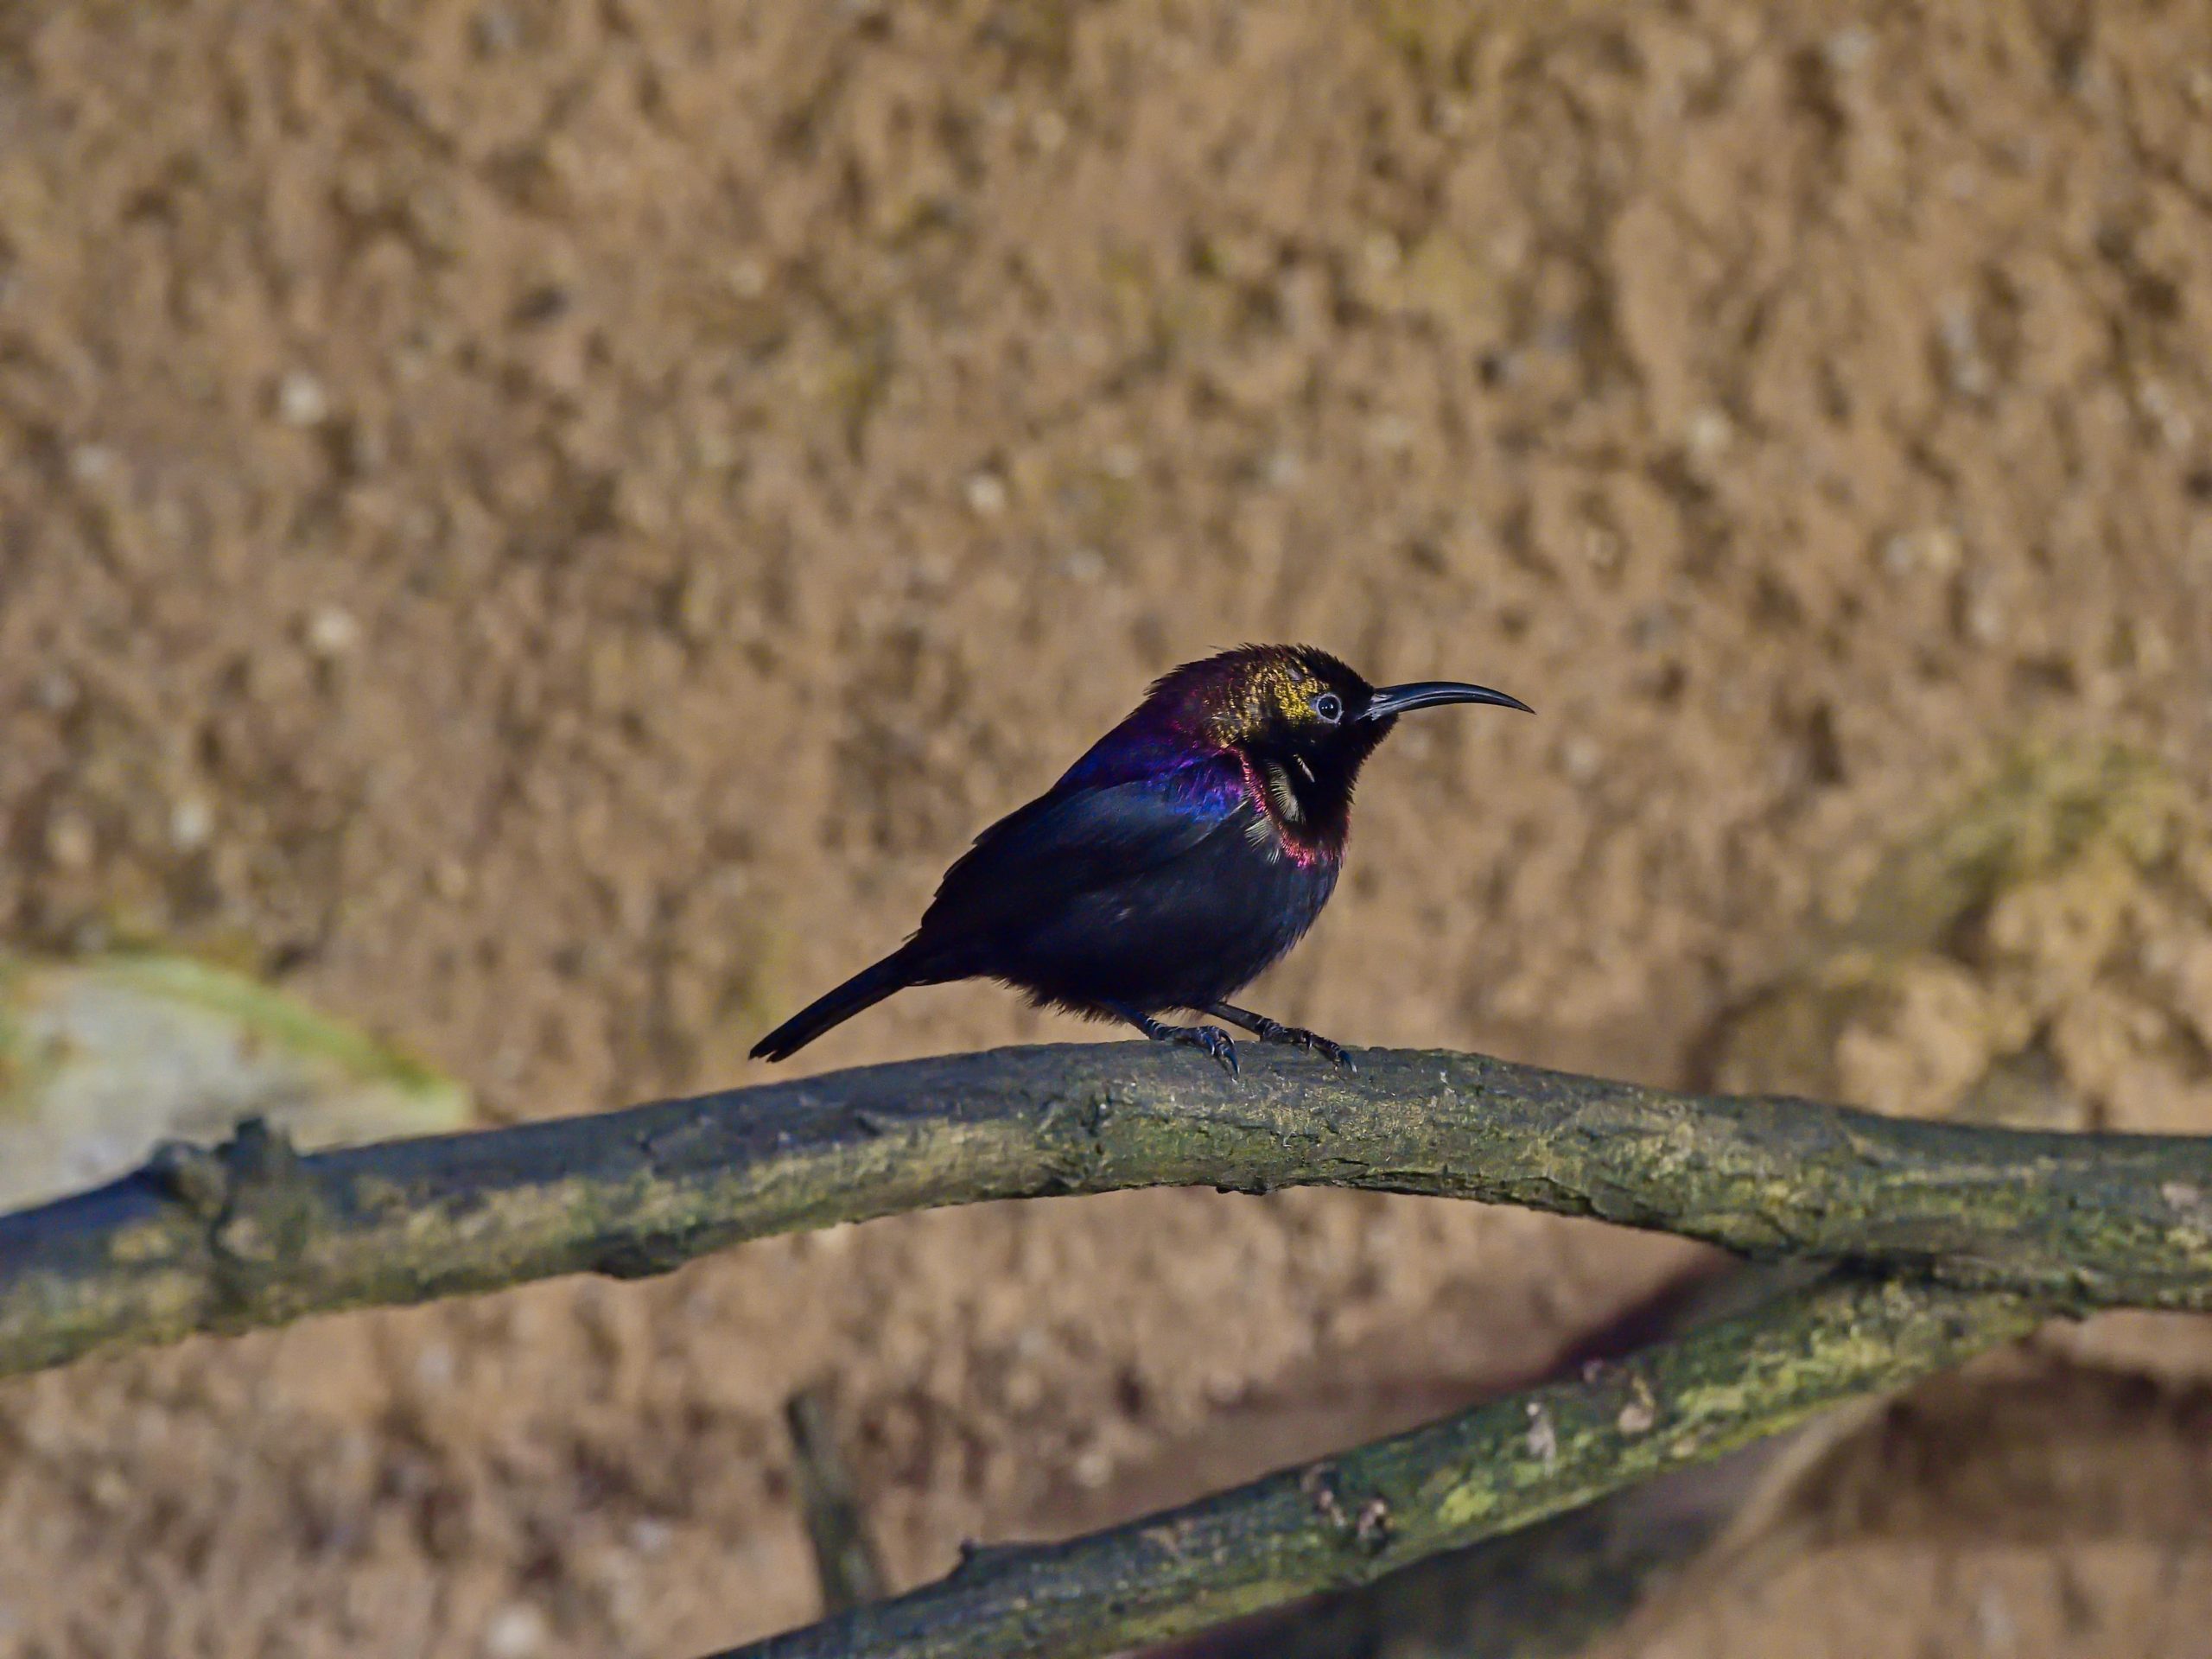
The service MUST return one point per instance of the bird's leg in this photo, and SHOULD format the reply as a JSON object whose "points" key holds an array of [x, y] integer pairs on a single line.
{"points": [[1214, 1040], [1274, 1030]]}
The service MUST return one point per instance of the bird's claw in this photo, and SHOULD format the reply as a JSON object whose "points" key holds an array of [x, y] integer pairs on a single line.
{"points": [[1212, 1038], [1334, 1052], [1299, 1036]]}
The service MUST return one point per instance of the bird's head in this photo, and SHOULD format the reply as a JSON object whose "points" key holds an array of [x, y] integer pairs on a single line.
{"points": [[1302, 722]]}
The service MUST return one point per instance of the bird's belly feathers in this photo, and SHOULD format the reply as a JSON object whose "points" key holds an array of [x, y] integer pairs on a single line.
{"points": [[1191, 931]]}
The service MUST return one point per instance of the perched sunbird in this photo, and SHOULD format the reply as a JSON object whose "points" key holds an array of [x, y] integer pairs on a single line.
{"points": [[1185, 852]]}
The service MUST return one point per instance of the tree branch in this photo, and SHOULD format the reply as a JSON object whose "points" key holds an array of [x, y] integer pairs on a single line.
{"points": [[1551, 1589], [1351, 1519], [845, 1560], [249, 1235]]}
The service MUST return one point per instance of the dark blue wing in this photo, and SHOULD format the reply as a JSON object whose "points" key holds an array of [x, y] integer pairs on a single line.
{"points": [[1041, 858]]}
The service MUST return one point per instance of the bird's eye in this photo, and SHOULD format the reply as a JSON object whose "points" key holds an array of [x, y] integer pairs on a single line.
{"points": [[1330, 707]]}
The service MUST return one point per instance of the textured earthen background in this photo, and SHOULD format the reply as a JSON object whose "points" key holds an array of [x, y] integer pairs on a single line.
{"points": [[544, 526]]}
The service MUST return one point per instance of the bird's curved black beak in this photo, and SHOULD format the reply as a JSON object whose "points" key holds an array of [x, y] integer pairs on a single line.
{"points": [[1392, 700]]}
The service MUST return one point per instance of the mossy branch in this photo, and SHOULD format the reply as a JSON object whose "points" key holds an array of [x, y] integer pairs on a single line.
{"points": [[1349, 1520], [249, 1235]]}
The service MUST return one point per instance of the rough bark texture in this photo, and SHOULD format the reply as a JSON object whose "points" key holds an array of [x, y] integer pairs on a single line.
{"points": [[1349, 1520], [1552, 1589], [252, 1235]]}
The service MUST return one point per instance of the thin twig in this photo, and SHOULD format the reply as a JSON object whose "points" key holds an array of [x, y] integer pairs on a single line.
{"points": [[249, 1235], [844, 1554]]}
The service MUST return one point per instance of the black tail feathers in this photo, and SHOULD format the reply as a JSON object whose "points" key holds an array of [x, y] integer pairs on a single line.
{"points": [[863, 990]]}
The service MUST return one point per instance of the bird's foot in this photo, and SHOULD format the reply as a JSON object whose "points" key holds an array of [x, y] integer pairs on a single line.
{"points": [[1299, 1036], [1274, 1030], [1212, 1038]]}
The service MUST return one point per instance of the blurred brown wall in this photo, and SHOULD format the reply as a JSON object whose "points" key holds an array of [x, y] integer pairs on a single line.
{"points": [[546, 525]]}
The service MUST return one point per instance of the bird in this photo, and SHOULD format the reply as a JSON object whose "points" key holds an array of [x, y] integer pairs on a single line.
{"points": [[1184, 853]]}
